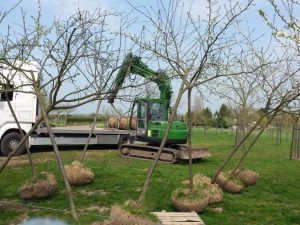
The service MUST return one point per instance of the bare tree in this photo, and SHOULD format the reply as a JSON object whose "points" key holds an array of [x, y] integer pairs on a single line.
{"points": [[243, 92], [196, 50], [59, 54], [293, 111], [278, 91], [285, 24]]}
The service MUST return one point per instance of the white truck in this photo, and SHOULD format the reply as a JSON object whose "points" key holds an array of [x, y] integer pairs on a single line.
{"points": [[25, 107]]}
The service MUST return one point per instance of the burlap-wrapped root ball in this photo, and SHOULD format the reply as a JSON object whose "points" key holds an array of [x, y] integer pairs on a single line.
{"points": [[119, 216], [200, 179], [215, 194], [42, 187], [185, 200], [229, 183], [77, 174], [248, 177], [204, 182]]}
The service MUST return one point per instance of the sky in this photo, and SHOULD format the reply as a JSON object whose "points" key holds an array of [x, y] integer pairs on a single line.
{"points": [[62, 8]]}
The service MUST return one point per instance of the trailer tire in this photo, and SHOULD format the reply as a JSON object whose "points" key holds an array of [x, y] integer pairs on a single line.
{"points": [[9, 142], [124, 140]]}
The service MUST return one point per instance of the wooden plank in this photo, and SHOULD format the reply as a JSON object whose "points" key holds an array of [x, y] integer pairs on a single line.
{"points": [[176, 214], [173, 214], [179, 218], [182, 223]]}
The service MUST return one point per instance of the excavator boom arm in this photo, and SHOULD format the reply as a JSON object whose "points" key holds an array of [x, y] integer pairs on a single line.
{"points": [[134, 64]]}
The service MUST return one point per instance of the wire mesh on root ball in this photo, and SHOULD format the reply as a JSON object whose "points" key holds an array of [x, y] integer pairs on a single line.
{"points": [[43, 186], [186, 200], [77, 174], [248, 177], [229, 183], [204, 182]]}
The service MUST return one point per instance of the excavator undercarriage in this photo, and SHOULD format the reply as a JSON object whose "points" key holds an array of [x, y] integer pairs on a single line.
{"points": [[170, 154]]}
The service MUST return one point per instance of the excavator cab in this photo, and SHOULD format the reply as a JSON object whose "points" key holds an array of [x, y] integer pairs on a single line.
{"points": [[148, 111], [152, 119]]}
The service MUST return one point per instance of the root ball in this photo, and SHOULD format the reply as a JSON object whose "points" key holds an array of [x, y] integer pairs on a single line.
{"points": [[119, 216], [78, 175], [42, 187], [185, 200], [229, 184], [248, 177]]}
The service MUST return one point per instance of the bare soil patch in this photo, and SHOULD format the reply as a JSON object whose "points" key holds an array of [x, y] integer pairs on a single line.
{"points": [[95, 192]]}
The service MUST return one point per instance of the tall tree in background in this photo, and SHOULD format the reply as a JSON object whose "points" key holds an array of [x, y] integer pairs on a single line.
{"points": [[206, 120], [224, 117]]}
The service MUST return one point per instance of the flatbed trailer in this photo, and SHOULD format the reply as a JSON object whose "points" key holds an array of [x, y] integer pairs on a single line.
{"points": [[78, 136], [25, 105]]}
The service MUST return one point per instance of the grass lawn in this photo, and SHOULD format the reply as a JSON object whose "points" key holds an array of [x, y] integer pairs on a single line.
{"points": [[275, 199]]}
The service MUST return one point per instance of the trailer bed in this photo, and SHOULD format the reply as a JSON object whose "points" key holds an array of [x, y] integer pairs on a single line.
{"points": [[79, 136], [82, 130]]}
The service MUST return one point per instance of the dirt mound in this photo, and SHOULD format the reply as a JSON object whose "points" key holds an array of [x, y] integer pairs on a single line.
{"points": [[185, 200], [42, 187], [229, 183], [204, 182], [119, 216], [248, 177], [77, 174]]}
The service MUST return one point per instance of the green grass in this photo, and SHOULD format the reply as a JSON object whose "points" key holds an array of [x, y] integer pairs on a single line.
{"points": [[273, 200]]}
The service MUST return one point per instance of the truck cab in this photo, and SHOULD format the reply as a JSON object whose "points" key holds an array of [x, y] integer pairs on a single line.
{"points": [[23, 102]]}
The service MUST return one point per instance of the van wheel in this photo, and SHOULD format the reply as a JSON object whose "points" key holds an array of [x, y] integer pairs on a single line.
{"points": [[10, 141]]}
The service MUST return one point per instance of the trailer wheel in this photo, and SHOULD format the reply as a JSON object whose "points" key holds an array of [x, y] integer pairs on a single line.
{"points": [[10, 141], [124, 140]]}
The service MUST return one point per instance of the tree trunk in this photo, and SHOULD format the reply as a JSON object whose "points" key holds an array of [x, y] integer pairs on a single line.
{"points": [[58, 157], [33, 171], [213, 180], [244, 125], [245, 153], [292, 143], [298, 142], [91, 132], [237, 136], [189, 139], [294, 153], [153, 166]]}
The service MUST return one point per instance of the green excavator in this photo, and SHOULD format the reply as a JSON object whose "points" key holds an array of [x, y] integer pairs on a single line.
{"points": [[152, 118]]}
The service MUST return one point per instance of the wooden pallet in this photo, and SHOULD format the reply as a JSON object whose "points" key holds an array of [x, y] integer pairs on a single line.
{"points": [[179, 218]]}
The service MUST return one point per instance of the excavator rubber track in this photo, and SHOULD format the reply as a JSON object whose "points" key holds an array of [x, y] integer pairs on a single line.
{"points": [[168, 155]]}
